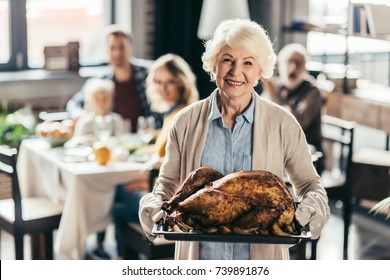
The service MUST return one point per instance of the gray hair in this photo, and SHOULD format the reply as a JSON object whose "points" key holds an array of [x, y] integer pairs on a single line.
{"points": [[240, 34], [289, 49], [92, 86]]}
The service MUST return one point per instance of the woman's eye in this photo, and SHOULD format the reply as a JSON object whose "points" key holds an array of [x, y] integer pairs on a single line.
{"points": [[248, 63], [228, 60]]}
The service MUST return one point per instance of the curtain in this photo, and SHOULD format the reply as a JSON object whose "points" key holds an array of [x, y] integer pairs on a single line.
{"points": [[176, 25]]}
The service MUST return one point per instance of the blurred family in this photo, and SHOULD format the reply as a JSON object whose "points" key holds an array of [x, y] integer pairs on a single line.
{"points": [[129, 98]]}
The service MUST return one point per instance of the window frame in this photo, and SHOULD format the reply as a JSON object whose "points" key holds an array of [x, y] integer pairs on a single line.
{"points": [[18, 59], [18, 36]]}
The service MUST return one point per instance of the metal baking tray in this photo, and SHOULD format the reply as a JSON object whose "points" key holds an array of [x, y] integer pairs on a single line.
{"points": [[160, 229]]}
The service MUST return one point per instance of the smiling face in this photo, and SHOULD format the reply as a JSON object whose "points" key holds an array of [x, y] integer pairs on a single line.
{"points": [[292, 70], [167, 86], [236, 72]]}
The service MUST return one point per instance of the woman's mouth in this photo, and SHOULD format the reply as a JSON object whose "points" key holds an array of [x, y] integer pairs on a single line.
{"points": [[233, 83]]}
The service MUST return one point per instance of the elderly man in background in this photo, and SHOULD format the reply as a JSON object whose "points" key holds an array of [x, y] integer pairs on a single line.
{"points": [[296, 91]]}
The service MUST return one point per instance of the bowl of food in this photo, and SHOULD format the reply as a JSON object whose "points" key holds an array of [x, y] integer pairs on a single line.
{"points": [[54, 132]]}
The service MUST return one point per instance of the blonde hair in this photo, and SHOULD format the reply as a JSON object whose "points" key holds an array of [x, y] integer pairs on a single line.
{"points": [[240, 34], [93, 86], [185, 78]]}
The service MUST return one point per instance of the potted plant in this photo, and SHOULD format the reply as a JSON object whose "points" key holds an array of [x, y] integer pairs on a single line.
{"points": [[15, 126]]}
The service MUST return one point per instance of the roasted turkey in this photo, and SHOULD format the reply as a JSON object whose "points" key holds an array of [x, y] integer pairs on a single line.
{"points": [[243, 202]]}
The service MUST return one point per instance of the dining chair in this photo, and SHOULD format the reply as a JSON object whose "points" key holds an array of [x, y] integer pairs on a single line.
{"points": [[371, 180], [339, 135], [20, 216], [134, 238]]}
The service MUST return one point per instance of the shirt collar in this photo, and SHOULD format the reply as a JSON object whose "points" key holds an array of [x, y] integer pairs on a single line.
{"points": [[215, 113]]}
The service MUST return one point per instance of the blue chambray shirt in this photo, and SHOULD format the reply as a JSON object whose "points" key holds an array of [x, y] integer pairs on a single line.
{"points": [[227, 152]]}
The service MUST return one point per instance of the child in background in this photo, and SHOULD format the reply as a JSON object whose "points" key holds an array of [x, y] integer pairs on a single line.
{"points": [[99, 120]]}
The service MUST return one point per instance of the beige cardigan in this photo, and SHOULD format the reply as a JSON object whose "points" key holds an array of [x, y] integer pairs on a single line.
{"points": [[278, 145]]}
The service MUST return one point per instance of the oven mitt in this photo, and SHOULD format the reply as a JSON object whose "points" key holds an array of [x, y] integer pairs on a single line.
{"points": [[150, 212], [313, 211]]}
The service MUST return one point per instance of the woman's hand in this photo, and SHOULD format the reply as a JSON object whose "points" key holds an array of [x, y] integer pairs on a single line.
{"points": [[311, 211], [150, 212]]}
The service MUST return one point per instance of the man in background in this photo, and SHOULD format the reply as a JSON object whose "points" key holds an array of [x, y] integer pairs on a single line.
{"points": [[295, 90]]}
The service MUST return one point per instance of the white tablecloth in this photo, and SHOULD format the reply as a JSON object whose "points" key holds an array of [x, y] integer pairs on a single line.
{"points": [[86, 189]]}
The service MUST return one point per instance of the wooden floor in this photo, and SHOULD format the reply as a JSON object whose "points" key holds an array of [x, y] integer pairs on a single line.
{"points": [[369, 239]]}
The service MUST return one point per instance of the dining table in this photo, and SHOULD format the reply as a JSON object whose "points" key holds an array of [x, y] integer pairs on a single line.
{"points": [[85, 188]]}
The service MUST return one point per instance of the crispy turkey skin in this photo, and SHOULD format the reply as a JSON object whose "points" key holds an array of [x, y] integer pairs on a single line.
{"points": [[242, 202], [195, 181]]}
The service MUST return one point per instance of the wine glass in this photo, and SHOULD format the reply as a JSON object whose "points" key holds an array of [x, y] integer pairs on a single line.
{"points": [[104, 128], [145, 128]]}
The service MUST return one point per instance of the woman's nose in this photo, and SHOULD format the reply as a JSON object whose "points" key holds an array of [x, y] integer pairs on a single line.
{"points": [[162, 87], [235, 69]]}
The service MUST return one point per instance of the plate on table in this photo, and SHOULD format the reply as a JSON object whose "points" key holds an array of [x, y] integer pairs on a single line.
{"points": [[55, 142], [143, 154], [78, 154]]}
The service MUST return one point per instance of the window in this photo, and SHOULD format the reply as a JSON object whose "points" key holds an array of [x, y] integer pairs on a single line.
{"points": [[4, 32], [333, 16], [30, 25], [57, 22], [368, 56]]}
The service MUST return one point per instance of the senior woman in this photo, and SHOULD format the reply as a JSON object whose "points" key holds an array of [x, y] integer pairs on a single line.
{"points": [[235, 129]]}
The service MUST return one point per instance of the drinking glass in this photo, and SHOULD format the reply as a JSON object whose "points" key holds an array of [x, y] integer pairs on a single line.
{"points": [[145, 128], [104, 128]]}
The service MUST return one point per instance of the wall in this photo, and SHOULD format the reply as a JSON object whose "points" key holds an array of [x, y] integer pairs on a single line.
{"points": [[41, 89], [274, 14], [142, 21]]}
